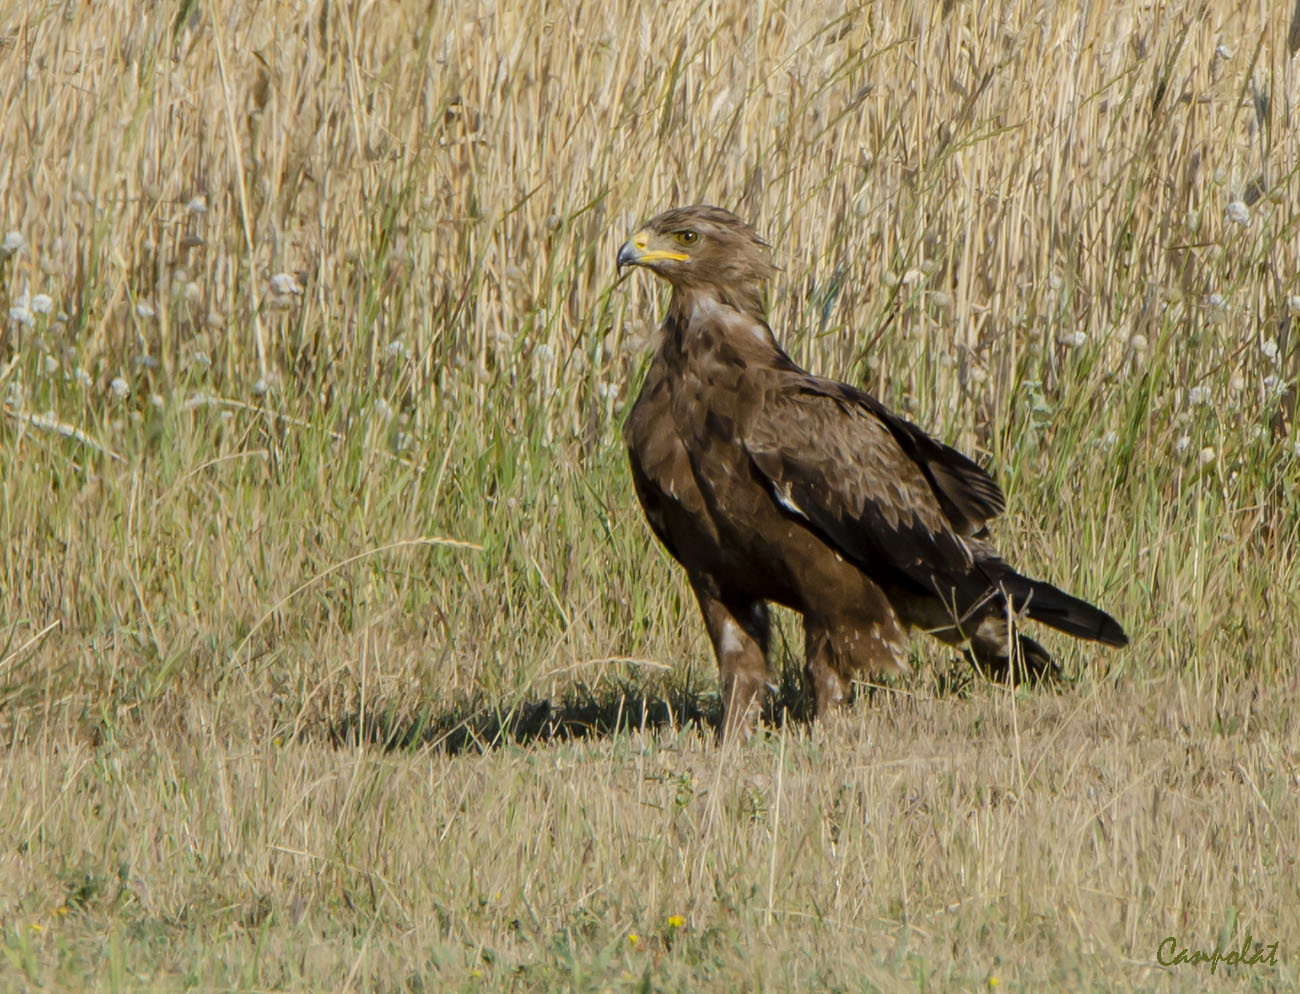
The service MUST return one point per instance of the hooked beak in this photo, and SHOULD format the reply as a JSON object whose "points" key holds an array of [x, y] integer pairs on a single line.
{"points": [[627, 256], [636, 252]]}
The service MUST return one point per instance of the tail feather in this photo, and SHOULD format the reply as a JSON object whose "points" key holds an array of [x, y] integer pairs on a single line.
{"points": [[1064, 612]]}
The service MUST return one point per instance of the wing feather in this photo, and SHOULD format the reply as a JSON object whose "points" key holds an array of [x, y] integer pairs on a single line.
{"points": [[885, 493], [968, 495]]}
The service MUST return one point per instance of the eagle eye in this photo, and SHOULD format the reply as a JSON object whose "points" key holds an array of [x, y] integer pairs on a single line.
{"points": [[687, 237]]}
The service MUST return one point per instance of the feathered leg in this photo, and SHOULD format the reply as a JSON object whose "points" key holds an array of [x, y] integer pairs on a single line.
{"points": [[829, 687], [856, 632], [997, 659], [739, 629]]}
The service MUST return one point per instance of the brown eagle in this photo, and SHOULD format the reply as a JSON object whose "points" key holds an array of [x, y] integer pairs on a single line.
{"points": [[768, 483]]}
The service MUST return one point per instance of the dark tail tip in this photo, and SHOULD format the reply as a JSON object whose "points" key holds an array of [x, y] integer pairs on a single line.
{"points": [[1064, 612], [1080, 619], [1111, 632]]}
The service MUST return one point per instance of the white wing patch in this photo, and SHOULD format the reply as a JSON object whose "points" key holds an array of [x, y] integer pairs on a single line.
{"points": [[967, 555], [784, 498]]}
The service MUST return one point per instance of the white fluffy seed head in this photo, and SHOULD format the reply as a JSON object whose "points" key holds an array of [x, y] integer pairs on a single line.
{"points": [[284, 285]]}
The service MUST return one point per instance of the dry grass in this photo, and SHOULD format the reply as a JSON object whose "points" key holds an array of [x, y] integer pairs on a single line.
{"points": [[317, 446], [934, 843]]}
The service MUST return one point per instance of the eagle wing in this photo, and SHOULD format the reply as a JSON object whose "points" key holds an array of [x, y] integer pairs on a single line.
{"points": [[968, 496], [880, 489]]}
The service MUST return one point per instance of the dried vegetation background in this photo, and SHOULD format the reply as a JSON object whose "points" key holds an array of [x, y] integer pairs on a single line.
{"points": [[320, 555]]}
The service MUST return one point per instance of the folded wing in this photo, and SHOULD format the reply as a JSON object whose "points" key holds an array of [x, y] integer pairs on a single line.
{"points": [[891, 498], [882, 491]]}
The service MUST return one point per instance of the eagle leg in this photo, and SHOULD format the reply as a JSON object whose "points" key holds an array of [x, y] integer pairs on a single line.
{"points": [[829, 686], [1009, 662], [853, 630], [739, 628]]}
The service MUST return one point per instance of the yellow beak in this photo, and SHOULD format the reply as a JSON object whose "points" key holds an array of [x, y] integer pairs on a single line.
{"points": [[635, 253]]}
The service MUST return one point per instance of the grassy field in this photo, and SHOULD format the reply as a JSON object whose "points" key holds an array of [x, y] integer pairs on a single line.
{"points": [[334, 652]]}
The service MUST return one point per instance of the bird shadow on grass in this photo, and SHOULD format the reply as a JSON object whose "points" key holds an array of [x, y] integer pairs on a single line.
{"points": [[583, 714], [482, 725], [479, 725]]}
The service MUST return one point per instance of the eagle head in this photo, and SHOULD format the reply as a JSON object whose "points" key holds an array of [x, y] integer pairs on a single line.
{"points": [[699, 247]]}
